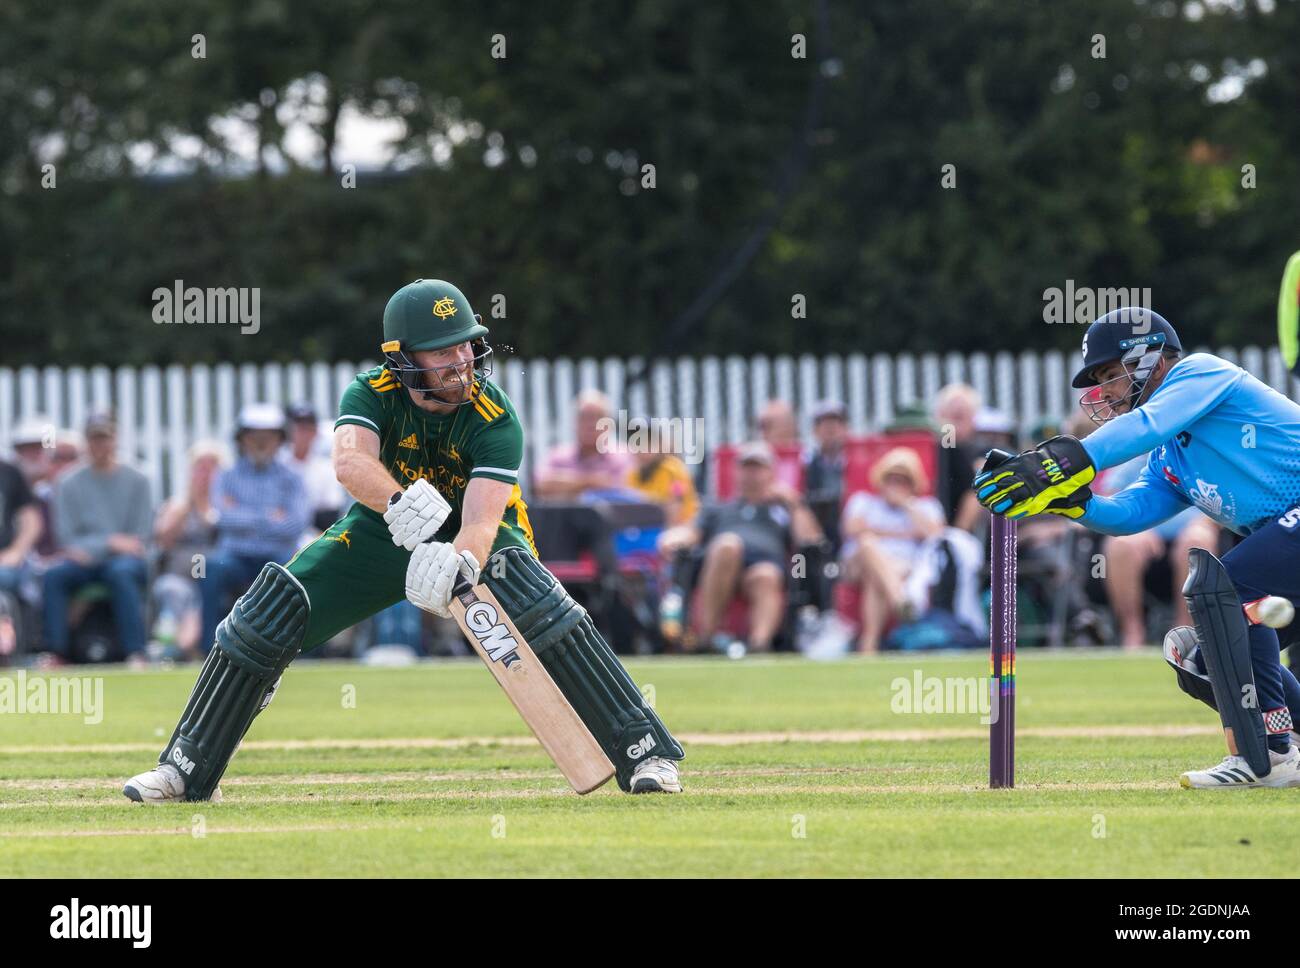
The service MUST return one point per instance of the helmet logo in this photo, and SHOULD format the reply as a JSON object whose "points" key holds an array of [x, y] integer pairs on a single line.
{"points": [[444, 307], [1085, 346]]}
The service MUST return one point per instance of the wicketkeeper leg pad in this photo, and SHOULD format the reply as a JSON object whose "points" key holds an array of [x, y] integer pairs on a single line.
{"points": [[1225, 649], [580, 661], [255, 643]]}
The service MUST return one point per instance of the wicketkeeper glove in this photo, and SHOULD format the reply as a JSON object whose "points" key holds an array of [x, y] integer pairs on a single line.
{"points": [[1028, 483], [1073, 506]]}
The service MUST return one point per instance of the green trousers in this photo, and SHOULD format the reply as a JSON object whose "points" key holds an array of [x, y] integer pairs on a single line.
{"points": [[354, 570]]}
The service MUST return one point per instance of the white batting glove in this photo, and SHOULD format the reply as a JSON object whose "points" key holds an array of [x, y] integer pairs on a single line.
{"points": [[433, 572], [416, 514]]}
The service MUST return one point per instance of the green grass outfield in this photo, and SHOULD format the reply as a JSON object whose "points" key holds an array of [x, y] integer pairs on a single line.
{"points": [[793, 768]]}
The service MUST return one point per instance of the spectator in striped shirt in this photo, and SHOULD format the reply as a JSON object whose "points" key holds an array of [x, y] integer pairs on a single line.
{"points": [[260, 509]]}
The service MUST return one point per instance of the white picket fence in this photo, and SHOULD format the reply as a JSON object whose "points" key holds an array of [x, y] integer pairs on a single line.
{"points": [[162, 411]]}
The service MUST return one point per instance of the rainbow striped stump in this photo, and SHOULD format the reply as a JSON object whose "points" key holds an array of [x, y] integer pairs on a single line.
{"points": [[1002, 654]]}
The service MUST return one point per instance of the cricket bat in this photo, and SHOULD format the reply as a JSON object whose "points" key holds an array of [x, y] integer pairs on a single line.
{"points": [[530, 687]]}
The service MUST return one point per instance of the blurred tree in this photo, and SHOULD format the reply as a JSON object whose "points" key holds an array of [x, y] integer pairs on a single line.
{"points": [[522, 175]]}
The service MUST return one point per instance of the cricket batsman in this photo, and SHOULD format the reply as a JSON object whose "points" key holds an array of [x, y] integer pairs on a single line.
{"points": [[430, 449], [1221, 440]]}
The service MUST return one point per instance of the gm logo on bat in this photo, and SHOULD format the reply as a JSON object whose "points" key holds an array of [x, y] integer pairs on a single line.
{"points": [[497, 642]]}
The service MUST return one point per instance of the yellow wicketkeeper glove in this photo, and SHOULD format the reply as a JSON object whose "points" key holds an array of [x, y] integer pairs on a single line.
{"points": [[1044, 479], [1072, 506]]}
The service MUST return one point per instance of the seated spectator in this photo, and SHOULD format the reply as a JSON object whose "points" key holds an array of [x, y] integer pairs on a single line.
{"points": [[777, 426], [261, 513], [102, 514], [823, 476], [20, 528], [68, 448], [960, 455], [779, 429], [325, 496], [1129, 556], [665, 480], [747, 544], [571, 471], [909, 418], [883, 536], [186, 528], [993, 428], [33, 442]]}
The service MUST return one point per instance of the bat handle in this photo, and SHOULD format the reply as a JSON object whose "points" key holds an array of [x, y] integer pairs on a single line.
{"points": [[465, 581]]}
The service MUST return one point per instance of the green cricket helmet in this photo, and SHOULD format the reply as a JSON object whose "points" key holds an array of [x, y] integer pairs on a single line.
{"points": [[430, 314]]}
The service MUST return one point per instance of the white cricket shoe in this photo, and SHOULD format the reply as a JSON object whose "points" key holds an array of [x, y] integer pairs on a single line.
{"points": [[1235, 774], [657, 775], [162, 784]]}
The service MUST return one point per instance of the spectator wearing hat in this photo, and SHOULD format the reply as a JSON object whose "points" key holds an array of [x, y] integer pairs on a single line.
{"points": [[33, 443], [43, 454], [823, 475], [260, 513], [747, 544], [883, 535], [22, 518], [21, 525], [102, 513], [325, 496]]}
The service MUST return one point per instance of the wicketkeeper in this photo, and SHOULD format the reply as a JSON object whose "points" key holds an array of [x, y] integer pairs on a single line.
{"points": [[1227, 443], [430, 449]]}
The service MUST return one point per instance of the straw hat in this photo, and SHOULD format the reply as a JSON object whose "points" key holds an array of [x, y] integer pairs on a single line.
{"points": [[900, 460]]}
